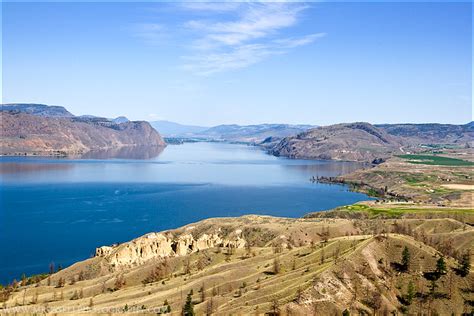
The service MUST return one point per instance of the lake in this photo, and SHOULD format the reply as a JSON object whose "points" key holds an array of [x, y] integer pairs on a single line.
{"points": [[60, 209]]}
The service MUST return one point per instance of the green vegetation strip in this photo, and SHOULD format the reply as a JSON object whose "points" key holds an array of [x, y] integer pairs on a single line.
{"points": [[436, 160], [374, 211]]}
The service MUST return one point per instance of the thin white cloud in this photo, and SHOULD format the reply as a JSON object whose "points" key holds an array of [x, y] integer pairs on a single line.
{"points": [[257, 20], [240, 57], [249, 38], [211, 7], [301, 41], [150, 33]]}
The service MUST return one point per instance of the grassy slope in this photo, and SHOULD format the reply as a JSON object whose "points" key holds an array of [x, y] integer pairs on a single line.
{"points": [[323, 273]]}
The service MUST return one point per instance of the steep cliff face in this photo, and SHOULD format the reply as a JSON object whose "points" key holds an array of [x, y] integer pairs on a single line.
{"points": [[22, 133], [353, 142], [162, 245]]}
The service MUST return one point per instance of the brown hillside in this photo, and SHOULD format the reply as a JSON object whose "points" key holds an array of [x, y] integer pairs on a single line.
{"points": [[29, 134], [353, 141]]}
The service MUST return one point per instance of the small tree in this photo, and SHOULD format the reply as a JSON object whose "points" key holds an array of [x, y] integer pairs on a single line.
{"points": [[410, 292], [441, 266], [210, 307], [167, 306], [202, 292], [188, 308], [34, 300], [51, 268], [119, 282], [187, 266], [61, 282], [248, 249], [465, 264], [276, 266], [23, 279], [405, 259], [432, 287], [275, 307], [299, 295]]}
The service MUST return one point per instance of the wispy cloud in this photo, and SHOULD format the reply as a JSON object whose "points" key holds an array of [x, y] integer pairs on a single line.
{"points": [[240, 56], [150, 33], [299, 41], [250, 37], [212, 7], [223, 36]]}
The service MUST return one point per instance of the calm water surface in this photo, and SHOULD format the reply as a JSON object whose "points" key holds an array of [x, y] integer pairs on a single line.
{"points": [[59, 210]]}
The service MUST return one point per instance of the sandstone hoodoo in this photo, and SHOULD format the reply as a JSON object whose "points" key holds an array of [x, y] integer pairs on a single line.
{"points": [[164, 245], [36, 133]]}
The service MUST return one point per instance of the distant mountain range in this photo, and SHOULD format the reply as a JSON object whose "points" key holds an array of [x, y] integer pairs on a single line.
{"points": [[37, 129], [172, 129], [231, 132], [253, 133]]}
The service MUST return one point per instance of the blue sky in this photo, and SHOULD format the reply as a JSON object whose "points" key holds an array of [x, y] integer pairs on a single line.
{"points": [[244, 63]]}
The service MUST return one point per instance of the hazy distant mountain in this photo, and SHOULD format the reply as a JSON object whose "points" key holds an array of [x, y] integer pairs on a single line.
{"points": [[172, 129], [253, 133], [37, 109], [231, 132], [39, 129], [120, 119]]}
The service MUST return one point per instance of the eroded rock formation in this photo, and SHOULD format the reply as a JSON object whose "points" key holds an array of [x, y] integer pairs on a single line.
{"points": [[166, 244]]}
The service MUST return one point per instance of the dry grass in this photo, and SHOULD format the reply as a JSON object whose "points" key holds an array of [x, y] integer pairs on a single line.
{"points": [[310, 271]]}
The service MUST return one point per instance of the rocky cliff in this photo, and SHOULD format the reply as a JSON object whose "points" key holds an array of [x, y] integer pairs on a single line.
{"points": [[24, 134], [352, 142]]}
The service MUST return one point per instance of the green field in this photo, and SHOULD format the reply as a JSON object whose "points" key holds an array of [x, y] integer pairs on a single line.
{"points": [[436, 160], [398, 211]]}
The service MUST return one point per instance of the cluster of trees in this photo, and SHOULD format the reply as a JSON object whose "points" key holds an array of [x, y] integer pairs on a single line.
{"points": [[188, 308], [445, 247], [159, 272], [433, 276]]}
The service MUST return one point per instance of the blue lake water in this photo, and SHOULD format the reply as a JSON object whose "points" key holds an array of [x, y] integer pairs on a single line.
{"points": [[60, 209]]}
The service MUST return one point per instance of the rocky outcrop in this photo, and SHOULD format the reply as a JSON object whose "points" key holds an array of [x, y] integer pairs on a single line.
{"points": [[162, 245]]}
